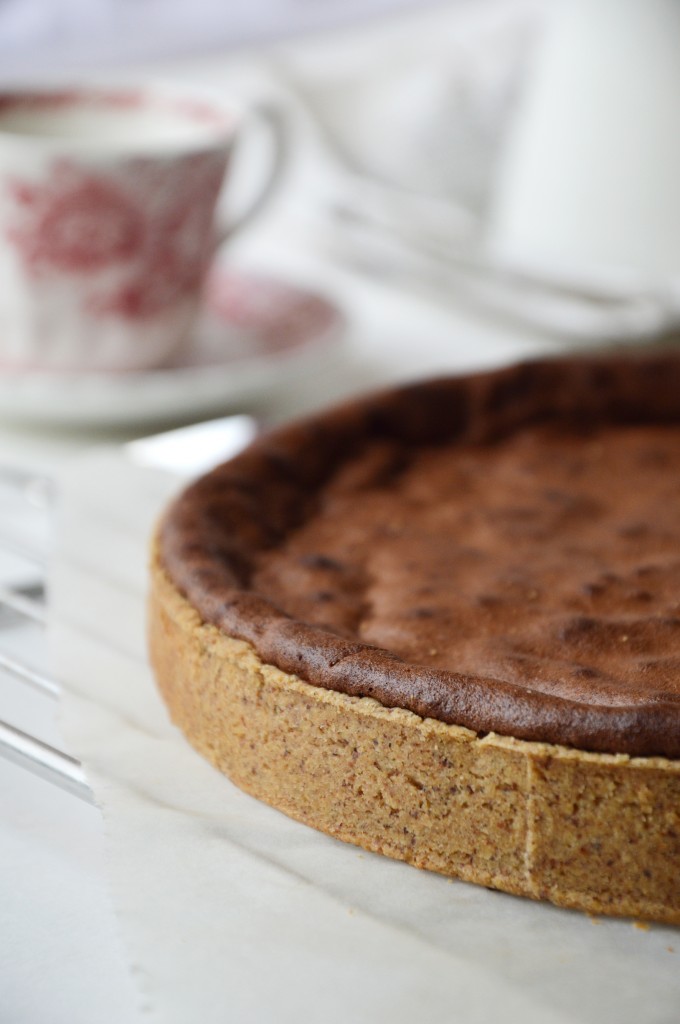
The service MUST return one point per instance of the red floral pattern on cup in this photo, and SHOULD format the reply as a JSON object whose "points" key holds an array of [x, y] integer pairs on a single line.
{"points": [[76, 223], [141, 237], [178, 247]]}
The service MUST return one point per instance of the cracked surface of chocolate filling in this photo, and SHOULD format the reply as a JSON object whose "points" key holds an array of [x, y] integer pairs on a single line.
{"points": [[500, 551]]}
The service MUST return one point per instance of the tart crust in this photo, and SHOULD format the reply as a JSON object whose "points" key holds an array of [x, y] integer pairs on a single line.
{"points": [[592, 831], [567, 795]]}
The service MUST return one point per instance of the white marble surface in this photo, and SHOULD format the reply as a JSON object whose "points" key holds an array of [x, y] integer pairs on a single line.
{"points": [[231, 910]]}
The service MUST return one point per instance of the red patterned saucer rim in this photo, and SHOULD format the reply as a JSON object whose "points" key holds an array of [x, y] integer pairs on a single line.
{"points": [[253, 314], [246, 316]]}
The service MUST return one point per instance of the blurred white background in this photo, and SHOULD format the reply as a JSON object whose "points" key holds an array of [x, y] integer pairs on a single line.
{"points": [[43, 35]]}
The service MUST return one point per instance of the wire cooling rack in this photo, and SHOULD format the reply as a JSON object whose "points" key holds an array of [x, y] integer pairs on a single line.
{"points": [[26, 601], [23, 587]]}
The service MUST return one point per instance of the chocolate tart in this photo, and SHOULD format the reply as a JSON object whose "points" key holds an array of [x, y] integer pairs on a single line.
{"points": [[443, 623]]}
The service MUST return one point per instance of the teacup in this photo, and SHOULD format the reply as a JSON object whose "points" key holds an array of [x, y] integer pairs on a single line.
{"points": [[108, 220]]}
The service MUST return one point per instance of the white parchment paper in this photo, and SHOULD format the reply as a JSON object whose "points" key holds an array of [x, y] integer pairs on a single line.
{"points": [[232, 912]]}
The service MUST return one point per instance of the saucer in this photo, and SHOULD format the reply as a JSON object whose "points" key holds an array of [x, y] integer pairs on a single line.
{"points": [[256, 335]]}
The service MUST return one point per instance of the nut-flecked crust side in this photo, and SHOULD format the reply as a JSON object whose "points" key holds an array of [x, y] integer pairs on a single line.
{"points": [[595, 832]]}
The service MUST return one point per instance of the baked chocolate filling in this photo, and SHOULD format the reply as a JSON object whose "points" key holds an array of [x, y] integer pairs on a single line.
{"points": [[500, 551]]}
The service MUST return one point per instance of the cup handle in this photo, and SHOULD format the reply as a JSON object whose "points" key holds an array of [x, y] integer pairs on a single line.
{"points": [[276, 123]]}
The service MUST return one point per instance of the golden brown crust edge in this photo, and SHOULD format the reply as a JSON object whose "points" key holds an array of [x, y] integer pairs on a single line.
{"points": [[595, 832]]}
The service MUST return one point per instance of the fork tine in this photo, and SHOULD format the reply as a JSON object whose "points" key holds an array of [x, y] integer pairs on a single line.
{"points": [[44, 761], [29, 675], [23, 605]]}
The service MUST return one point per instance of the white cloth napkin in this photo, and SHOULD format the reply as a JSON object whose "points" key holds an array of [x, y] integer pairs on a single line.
{"points": [[414, 116], [231, 911]]}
